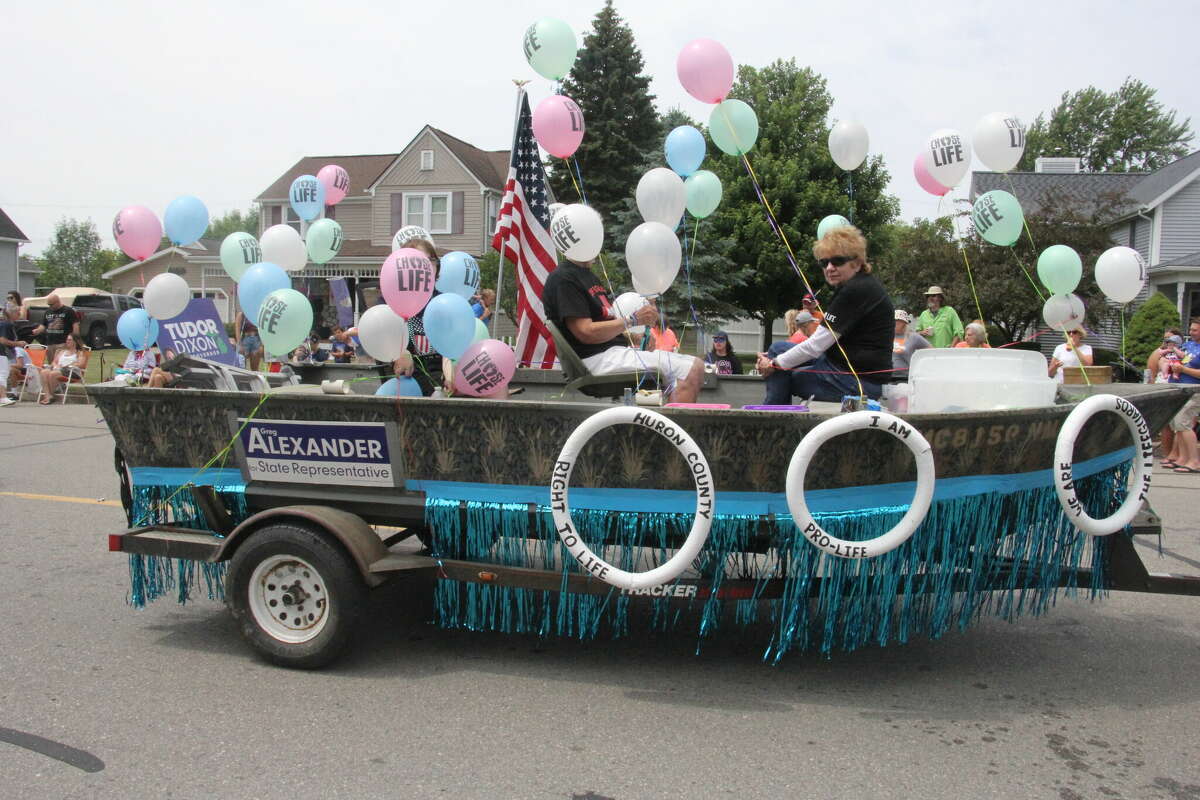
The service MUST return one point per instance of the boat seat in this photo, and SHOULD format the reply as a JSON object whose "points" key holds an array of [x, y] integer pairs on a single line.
{"points": [[582, 380]]}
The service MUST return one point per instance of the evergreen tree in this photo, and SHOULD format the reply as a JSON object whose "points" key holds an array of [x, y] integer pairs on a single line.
{"points": [[619, 117], [797, 175], [1145, 331]]}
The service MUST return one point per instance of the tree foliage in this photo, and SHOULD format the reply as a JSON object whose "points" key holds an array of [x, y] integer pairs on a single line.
{"points": [[1122, 131], [1145, 330], [802, 183], [619, 117], [928, 252], [75, 257], [232, 222]]}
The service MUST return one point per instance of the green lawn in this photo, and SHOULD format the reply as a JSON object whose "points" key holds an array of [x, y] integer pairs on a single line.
{"points": [[102, 363]]}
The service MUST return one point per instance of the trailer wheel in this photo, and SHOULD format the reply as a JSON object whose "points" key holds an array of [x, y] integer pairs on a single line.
{"points": [[296, 596]]}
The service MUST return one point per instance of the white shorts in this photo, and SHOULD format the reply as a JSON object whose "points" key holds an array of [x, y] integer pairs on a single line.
{"points": [[675, 366], [3, 372], [1186, 417]]}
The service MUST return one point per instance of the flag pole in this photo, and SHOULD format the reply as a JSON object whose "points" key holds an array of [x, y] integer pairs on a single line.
{"points": [[500, 265]]}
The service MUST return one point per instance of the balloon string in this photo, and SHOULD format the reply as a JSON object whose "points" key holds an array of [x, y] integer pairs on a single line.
{"points": [[687, 272], [778, 229], [1082, 366], [1024, 222], [971, 280], [1025, 272], [850, 184], [580, 188]]}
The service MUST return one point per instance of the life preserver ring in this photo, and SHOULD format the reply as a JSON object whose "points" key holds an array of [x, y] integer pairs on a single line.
{"points": [[1064, 457], [560, 482], [861, 420]]}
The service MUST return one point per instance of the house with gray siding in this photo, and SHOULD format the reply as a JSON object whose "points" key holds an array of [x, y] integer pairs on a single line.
{"points": [[1156, 213], [16, 272]]}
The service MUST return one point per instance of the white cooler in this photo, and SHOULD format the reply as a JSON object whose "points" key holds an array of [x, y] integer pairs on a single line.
{"points": [[978, 379]]}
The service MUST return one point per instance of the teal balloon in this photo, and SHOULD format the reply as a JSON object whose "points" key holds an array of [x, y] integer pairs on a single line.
{"points": [[550, 48], [481, 331], [703, 190], [1059, 268], [997, 217], [684, 149], [829, 223], [284, 320], [323, 240], [239, 252], [733, 126]]}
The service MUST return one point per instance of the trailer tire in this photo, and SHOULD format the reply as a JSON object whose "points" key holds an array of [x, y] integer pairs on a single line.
{"points": [[275, 575]]}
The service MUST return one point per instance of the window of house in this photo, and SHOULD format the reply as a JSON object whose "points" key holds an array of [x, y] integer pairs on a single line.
{"points": [[430, 211], [426, 160], [493, 210], [293, 219]]}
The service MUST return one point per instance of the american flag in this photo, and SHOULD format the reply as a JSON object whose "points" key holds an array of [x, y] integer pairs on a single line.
{"points": [[523, 237]]}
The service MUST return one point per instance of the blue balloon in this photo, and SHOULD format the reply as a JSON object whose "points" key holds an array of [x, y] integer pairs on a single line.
{"points": [[136, 329], [307, 197], [185, 220], [400, 387], [449, 324], [685, 149], [258, 282], [458, 273]]}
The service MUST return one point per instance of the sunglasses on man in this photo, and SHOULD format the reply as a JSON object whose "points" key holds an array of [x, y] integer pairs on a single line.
{"points": [[836, 261]]}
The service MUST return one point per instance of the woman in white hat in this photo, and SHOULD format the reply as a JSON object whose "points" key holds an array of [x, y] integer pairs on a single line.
{"points": [[939, 323]]}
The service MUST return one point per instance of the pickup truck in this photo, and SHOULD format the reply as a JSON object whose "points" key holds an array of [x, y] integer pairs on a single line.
{"points": [[98, 312]]}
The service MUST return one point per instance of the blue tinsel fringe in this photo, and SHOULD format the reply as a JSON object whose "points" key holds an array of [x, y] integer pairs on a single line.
{"points": [[928, 586], [151, 577]]}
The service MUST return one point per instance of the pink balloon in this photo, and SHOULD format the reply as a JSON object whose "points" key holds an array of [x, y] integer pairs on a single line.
{"points": [[485, 368], [926, 180], [336, 182], [558, 125], [705, 70], [406, 280], [137, 231]]}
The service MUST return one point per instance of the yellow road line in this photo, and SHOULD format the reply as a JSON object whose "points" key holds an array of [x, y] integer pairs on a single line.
{"points": [[57, 498]]}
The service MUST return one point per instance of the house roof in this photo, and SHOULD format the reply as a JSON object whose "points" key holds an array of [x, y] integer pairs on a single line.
{"points": [[364, 170], [1190, 260], [9, 229], [489, 166], [1090, 191], [26, 264], [1153, 187]]}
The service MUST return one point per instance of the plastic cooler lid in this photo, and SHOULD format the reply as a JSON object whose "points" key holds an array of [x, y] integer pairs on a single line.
{"points": [[716, 406], [775, 408]]}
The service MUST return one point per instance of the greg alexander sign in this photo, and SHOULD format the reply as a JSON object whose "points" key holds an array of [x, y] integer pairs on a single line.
{"points": [[339, 453]]}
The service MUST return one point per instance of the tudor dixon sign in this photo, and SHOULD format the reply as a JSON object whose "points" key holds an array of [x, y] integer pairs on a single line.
{"points": [[325, 453]]}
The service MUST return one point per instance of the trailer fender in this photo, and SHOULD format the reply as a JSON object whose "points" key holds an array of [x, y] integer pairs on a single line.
{"points": [[358, 538]]}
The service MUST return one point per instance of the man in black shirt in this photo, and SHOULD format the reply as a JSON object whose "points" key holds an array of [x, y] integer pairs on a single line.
{"points": [[583, 310], [856, 334], [59, 321]]}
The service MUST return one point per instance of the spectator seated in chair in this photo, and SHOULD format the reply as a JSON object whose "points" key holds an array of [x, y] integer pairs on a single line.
{"points": [[70, 362]]}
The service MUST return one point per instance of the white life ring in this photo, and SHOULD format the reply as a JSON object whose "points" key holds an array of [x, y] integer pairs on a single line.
{"points": [[1064, 458], [861, 420], [560, 482]]}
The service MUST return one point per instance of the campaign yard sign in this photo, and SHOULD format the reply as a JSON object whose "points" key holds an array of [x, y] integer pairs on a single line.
{"points": [[197, 332], [324, 453]]}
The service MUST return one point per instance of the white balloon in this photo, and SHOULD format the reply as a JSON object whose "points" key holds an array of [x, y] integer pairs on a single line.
{"points": [[654, 254], [1063, 312], [848, 144], [408, 233], [999, 140], [947, 156], [578, 232], [166, 296], [554, 207], [282, 245], [661, 196], [628, 303], [383, 333], [1121, 273]]}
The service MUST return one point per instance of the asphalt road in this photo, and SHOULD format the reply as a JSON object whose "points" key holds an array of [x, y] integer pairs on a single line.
{"points": [[1095, 700]]}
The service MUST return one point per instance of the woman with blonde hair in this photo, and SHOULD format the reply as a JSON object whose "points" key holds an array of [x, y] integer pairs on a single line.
{"points": [[856, 338]]}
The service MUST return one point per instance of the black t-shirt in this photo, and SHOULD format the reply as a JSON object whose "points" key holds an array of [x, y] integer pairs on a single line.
{"points": [[59, 322], [7, 331], [418, 342], [862, 315], [574, 291], [728, 364]]}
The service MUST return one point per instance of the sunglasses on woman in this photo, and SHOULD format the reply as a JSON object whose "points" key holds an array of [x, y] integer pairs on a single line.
{"points": [[836, 261]]}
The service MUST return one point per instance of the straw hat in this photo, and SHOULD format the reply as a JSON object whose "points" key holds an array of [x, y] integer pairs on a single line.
{"points": [[935, 290]]}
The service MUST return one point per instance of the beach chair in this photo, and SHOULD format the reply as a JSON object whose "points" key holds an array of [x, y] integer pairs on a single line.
{"points": [[582, 380], [37, 360]]}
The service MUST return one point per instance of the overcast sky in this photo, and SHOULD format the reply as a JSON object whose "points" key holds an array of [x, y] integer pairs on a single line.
{"points": [[128, 102]]}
